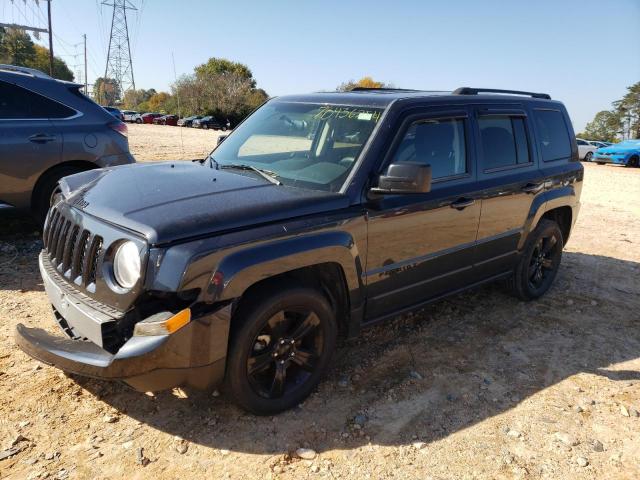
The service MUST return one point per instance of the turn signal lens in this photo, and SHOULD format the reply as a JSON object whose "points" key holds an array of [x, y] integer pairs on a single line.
{"points": [[161, 325]]}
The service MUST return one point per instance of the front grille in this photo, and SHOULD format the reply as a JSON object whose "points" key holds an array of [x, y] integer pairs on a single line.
{"points": [[75, 252]]}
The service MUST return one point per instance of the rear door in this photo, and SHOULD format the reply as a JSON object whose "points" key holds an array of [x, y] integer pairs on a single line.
{"points": [[510, 181], [29, 142]]}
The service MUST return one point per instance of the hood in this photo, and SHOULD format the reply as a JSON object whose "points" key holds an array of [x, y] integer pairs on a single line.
{"points": [[167, 202], [620, 147]]}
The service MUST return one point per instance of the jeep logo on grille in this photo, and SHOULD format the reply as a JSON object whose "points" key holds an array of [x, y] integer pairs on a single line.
{"points": [[80, 202]]}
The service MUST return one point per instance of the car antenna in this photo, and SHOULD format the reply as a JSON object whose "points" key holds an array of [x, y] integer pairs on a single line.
{"points": [[175, 76]]}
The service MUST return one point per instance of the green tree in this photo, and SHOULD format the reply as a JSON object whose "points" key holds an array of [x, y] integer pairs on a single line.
{"points": [[40, 62], [628, 110], [222, 66], [106, 91], [16, 47], [364, 82], [605, 127]]}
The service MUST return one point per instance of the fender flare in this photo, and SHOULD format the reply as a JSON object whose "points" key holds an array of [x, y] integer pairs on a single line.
{"points": [[558, 197], [241, 269]]}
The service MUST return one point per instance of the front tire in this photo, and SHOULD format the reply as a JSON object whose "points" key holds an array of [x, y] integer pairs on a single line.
{"points": [[280, 349], [539, 261], [205, 126], [588, 157]]}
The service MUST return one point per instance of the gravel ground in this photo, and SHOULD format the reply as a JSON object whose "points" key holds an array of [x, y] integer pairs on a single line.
{"points": [[477, 386]]}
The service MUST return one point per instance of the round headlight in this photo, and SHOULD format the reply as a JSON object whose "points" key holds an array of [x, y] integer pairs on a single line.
{"points": [[126, 264]]}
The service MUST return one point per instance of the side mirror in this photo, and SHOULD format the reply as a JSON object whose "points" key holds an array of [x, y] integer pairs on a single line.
{"points": [[221, 139], [404, 178]]}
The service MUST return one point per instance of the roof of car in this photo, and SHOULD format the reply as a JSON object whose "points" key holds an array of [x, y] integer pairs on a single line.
{"points": [[382, 97]]}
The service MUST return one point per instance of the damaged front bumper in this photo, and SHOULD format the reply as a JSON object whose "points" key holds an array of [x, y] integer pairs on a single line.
{"points": [[192, 355]]}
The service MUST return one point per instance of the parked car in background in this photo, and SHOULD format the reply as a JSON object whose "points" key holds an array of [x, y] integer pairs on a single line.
{"points": [[129, 115], [585, 149], [146, 117], [166, 120], [244, 268], [624, 153], [115, 112], [188, 121], [50, 130], [210, 122]]}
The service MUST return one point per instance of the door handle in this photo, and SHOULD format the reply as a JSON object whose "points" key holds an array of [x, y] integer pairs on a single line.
{"points": [[42, 138], [462, 203], [533, 187]]}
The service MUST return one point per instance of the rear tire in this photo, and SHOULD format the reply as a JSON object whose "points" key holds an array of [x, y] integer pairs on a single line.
{"points": [[539, 261], [48, 191], [205, 126], [281, 347], [600, 163], [138, 120], [634, 162]]}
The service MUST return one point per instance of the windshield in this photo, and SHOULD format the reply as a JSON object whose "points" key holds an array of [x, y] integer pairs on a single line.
{"points": [[305, 145]]}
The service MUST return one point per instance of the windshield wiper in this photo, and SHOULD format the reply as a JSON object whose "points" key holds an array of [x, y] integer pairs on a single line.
{"points": [[266, 174]]}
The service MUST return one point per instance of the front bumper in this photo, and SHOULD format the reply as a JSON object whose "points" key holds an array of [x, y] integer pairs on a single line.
{"points": [[193, 355], [617, 159]]}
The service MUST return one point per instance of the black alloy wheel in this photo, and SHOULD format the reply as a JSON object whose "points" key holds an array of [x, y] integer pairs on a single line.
{"points": [[539, 261], [281, 349], [285, 353], [543, 261]]}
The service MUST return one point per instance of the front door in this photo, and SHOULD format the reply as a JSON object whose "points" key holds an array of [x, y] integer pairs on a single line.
{"points": [[421, 245]]}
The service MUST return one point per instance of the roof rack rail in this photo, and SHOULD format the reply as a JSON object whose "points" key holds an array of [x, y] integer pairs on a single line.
{"points": [[23, 71], [382, 89], [476, 91]]}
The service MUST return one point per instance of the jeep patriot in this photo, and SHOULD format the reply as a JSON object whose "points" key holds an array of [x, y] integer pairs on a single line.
{"points": [[318, 215]]}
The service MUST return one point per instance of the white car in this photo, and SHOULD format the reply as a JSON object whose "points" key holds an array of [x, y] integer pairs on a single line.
{"points": [[585, 149], [129, 115]]}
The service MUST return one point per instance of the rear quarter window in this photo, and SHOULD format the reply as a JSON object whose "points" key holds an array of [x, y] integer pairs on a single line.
{"points": [[552, 134], [19, 103]]}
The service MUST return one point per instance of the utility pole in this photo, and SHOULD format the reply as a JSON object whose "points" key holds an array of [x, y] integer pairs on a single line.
{"points": [[50, 39], [119, 64], [37, 31], [86, 85]]}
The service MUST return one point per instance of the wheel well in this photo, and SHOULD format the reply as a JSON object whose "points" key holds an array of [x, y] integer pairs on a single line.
{"points": [[326, 277], [80, 165], [563, 217]]}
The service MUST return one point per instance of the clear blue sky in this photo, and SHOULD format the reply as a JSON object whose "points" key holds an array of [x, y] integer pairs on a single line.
{"points": [[584, 53]]}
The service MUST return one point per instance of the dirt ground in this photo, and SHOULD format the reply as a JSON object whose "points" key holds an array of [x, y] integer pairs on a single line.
{"points": [[477, 386]]}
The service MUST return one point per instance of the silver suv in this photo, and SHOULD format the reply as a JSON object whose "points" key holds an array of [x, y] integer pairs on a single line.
{"points": [[48, 130]]}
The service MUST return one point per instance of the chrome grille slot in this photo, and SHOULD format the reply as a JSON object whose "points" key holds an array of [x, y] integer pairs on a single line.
{"points": [[78, 257], [74, 251], [62, 240], [69, 248], [95, 258]]}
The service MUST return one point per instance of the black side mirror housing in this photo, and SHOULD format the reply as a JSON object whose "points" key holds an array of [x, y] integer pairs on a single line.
{"points": [[404, 178]]}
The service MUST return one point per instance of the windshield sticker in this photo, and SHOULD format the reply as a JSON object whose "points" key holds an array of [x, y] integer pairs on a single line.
{"points": [[327, 112]]}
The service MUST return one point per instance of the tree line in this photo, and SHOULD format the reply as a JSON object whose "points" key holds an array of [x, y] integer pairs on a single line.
{"points": [[17, 48], [622, 121], [219, 87]]}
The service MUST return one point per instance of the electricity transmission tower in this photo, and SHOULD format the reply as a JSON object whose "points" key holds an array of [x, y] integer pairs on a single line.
{"points": [[119, 65]]}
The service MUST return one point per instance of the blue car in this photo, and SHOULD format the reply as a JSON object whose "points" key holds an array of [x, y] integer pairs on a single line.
{"points": [[623, 153]]}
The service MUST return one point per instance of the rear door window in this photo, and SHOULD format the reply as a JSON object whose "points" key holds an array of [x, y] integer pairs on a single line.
{"points": [[553, 135], [19, 103], [504, 141]]}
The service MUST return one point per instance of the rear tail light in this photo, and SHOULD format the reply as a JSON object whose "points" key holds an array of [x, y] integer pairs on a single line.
{"points": [[120, 127]]}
